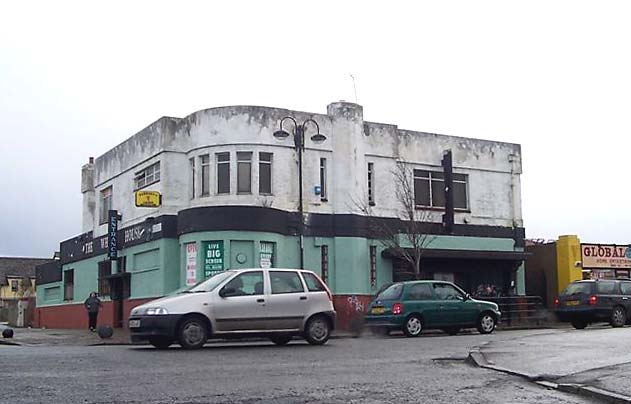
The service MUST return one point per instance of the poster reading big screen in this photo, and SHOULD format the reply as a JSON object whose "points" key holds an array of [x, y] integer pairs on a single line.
{"points": [[213, 257]]}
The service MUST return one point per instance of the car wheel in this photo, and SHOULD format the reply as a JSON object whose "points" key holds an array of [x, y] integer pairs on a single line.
{"points": [[486, 323], [451, 331], [579, 324], [318, 330], [160, 343], [413, 326], [280, 339], [193, 333], [618, 317]]}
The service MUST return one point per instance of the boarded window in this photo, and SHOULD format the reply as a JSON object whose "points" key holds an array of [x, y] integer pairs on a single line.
{"points": [[69, 284]]}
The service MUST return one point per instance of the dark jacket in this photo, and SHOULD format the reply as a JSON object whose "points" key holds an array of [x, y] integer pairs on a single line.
{"points": [[92, 304]]}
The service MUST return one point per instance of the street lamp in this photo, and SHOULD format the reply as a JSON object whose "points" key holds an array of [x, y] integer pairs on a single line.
{"points": [[299, 145]]}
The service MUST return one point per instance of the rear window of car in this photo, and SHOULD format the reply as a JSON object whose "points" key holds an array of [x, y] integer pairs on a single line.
{"points": [[391, 293], [313, 283], [606, 288], [285, 282], [578, 287]]}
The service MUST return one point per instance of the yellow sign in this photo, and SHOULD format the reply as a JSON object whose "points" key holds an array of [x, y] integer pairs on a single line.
{"points": [[148, 199]]}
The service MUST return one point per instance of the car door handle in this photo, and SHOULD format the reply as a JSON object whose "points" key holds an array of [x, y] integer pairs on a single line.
{"points": [[625, 298], [303, 297], [260, 300], [441, 307]]}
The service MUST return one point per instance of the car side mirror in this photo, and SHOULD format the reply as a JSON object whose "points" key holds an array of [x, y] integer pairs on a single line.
{"points": [[466, 297], [227, 292]]}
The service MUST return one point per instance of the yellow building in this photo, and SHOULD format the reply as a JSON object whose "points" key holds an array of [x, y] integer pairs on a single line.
{"points": [[555, 264]]}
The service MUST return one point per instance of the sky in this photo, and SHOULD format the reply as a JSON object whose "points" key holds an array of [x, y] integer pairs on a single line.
{"points": [[78, 78]]}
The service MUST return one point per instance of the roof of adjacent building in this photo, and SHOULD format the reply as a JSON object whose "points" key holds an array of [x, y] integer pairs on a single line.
{"points": [[19, 266]]}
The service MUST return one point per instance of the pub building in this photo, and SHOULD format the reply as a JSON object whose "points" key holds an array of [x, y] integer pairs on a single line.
{"points": [[221, 188]]}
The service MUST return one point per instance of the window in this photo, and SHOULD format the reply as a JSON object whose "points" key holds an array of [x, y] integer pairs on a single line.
{"points": [[371, 178], [191, 178], [223, 173], [121, 264], [444, 291], [606, 287], [285, 282], [392, 292], [14, 286], [105, 205], [105, 270], [148, 176], [247, 284], [578, 287], [429, 189], [205, 163], [69, 284], [244, 172], [265, 173], [313, 283], [373, 266], [420, 291], [625, 288], [324, 263], [323, 190]]}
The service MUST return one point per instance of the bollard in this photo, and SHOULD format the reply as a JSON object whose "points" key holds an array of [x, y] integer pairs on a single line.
{"points": [[105, 331]]}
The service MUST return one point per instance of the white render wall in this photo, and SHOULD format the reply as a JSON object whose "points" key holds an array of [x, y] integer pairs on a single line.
{"points": [[493, 167]]}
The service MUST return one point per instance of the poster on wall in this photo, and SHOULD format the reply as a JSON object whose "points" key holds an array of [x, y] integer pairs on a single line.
{"points": [[213, 257], [267, 254], [191, 264]]}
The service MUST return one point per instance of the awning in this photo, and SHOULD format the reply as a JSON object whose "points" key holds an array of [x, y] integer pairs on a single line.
{"points": [[491, 255]]}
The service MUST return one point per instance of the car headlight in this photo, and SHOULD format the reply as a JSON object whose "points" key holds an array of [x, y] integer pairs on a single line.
{"points": [[152, 311]]}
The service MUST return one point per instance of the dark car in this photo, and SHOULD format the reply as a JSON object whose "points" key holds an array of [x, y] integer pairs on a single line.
{"points": [[418, 305], [590, 301]]}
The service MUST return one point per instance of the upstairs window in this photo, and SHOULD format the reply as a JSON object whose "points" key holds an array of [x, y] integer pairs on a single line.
{"points": [[205, 163], [429, 189], [105, 204], [148, 176], [244, 172], [14, 286], [265, 173], [371, 180], [223, 173], [191, 178], [323, 190]]}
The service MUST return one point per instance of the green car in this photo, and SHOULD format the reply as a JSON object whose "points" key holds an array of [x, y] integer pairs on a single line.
{"points": [[418, 305]]}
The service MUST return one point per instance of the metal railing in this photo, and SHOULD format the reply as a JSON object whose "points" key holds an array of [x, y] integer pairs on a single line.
{"points": [[518, 310]]}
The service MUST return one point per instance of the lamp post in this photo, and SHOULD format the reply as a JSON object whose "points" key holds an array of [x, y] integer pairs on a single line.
{"points": [[299, 146]]}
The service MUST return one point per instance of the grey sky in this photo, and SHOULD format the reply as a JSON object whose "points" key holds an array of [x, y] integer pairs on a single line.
{"points": [[78, 78]]}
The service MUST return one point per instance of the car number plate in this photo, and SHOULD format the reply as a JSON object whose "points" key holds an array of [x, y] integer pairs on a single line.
{"points": [[378, 310], [134, 323], [572, 303]]}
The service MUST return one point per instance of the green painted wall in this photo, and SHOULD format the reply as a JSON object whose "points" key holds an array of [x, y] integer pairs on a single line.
{"points": [[159, 267]]}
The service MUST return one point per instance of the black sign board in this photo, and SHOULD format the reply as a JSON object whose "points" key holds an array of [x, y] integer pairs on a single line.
{"points": [[112, 234], [448, 216]]}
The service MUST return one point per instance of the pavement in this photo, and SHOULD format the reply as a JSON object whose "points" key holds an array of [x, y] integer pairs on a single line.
{"points": [[594, 362]]}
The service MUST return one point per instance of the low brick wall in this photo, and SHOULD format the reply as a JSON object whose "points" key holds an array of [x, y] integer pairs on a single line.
{"points": [[350, 311], [76, 316]]}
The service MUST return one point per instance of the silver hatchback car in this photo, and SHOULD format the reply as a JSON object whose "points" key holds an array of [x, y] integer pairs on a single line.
{"points": [[274, 303]]}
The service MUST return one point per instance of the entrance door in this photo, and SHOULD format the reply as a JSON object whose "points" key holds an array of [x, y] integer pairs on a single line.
{"points": [[119, 292]]}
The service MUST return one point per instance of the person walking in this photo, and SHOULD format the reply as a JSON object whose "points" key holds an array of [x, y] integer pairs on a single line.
{"points": [[92, 305]]}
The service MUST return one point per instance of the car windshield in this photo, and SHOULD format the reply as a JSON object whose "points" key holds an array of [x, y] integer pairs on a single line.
{"points": [[393, 292], [209, 284], [578, 287]]}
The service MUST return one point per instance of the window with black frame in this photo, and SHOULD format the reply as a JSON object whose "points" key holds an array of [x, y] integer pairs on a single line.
{"points": [[429, 189]]}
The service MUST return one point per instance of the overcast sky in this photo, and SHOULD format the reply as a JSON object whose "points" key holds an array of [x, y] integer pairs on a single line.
{"points": [[78, 78]]}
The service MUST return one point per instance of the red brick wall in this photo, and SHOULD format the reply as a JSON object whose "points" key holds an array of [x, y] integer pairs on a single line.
{"points": [[350, 310], [76, 316]]}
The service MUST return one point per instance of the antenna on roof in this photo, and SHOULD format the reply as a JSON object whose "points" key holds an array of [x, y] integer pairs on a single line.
{"points": [[354, 87]]}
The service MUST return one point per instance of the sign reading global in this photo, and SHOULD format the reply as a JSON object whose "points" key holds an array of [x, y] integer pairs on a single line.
{"points": [[605, 256]]}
